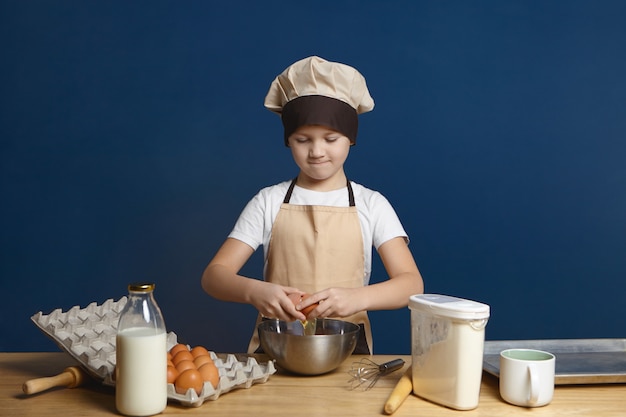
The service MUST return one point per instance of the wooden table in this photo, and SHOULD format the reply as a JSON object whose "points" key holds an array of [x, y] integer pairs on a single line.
{"points": [[285, 395]]}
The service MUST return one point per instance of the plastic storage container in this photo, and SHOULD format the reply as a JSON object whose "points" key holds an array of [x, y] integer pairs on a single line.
{"points": [[447, 341]]}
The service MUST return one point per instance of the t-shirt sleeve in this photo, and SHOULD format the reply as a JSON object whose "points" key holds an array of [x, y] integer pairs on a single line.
{"points": [[386, 224], [249, 225]]}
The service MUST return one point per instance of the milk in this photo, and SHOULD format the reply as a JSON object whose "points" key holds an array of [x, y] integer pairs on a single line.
{"points": [[141, 372], [447, 341]]}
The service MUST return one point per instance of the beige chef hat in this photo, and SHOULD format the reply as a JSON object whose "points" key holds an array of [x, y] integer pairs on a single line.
{"points": [[314, 91]]}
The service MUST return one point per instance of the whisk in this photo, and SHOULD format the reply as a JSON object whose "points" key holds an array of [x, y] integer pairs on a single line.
{"points": [[366, 372]]}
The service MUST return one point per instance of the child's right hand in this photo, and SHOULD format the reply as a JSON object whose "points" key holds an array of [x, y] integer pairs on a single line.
{"points": [[275, 301]]}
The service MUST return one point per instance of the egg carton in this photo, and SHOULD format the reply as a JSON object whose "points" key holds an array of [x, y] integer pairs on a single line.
{"points": [[233, 374], [88, 335]]}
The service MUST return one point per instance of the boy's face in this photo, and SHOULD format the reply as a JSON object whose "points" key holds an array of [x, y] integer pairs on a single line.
{"points": [[320, 152]]}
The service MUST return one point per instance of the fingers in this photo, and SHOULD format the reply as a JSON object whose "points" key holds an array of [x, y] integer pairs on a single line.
{"points": [[310, 305], [331, 302], [280, 303], [289, 304], [293, 313]]}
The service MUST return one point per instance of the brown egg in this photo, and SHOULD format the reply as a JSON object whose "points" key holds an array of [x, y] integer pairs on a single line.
{"points": [[199, 351], [183, 355], [191, 378], [295, 298], [210, 373], [184, 365], [172, 374], [201, 360], [307, 310], [177, 348]]}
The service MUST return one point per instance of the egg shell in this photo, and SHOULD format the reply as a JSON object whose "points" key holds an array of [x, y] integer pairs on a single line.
{"points": [[210, 373], [177, 348], [184, 365], [172, 374], [307, 310], [297, 298], [191, 378], [201, 360], [182, 356], [199, 351]]}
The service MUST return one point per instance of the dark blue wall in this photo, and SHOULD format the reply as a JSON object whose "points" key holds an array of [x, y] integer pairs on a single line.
{"points": [[133, 133]]}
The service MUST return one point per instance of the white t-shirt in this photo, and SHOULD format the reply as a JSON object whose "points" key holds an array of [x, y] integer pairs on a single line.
{"points": [[379, 221]]}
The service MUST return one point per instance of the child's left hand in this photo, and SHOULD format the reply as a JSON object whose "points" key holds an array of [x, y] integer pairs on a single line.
{"points": [[333, 302]]}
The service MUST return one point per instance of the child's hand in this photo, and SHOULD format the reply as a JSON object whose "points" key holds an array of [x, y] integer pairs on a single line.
{"points": [[333, 302], [274, 301]]}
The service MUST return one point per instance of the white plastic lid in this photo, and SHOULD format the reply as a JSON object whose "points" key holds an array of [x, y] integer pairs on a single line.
{"points": [[448, 306]]}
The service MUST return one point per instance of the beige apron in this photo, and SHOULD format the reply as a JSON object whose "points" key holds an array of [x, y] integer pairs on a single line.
{"points": [[317, 247]]}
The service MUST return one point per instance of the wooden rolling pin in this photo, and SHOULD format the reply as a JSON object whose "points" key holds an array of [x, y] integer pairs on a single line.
{"points": [[402, 390], [71, 377]]}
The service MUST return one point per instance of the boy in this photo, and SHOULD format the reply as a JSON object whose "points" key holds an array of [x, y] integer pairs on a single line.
{"points": [[317, 230]]}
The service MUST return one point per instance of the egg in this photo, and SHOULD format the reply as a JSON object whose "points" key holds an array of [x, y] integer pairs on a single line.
{"points": [[199, 351], [172, 374], [307, 310], [184, 365], [191, 378], [297, 298], [210, 373], [183, 355], [177, 348], [201, 360]]}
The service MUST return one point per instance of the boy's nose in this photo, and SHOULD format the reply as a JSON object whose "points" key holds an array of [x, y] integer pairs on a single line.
{"points": [[317, 149]]}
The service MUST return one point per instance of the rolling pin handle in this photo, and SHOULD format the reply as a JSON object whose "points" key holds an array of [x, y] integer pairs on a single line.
{"points": [[71, 377]]}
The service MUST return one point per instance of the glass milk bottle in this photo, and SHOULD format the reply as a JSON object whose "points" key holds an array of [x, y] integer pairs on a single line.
{"points": [[141, 355]]}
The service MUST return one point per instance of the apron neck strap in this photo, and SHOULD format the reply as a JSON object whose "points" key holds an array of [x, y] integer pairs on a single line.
{"points": [[293, 184]]}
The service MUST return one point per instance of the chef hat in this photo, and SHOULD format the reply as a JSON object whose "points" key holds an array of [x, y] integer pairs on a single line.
{"points": [[314, 91]]}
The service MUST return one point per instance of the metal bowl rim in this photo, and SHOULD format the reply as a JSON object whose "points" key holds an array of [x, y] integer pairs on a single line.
{"points": [[353, 328]]}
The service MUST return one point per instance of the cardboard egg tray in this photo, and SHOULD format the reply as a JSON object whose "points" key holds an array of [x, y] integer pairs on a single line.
{"points": [[88, 335]]}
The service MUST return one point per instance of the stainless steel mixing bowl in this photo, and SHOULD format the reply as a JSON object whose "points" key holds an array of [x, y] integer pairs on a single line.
{"points": [[286, 343]]}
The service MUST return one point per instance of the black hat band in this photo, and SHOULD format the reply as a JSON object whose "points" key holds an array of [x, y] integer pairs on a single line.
{"points": [[320, 110]]}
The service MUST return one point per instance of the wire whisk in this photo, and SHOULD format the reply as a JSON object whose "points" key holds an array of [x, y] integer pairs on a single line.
{"points": [[365, 373]]}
